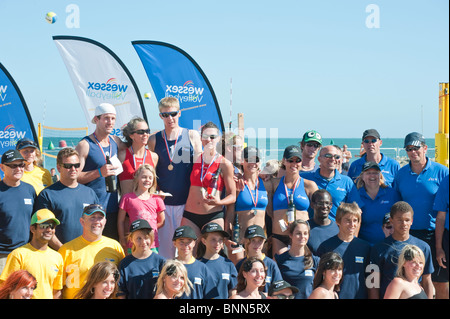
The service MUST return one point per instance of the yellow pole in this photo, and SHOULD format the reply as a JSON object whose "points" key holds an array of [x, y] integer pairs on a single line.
{"points": [[40, 137], [441, 138]]}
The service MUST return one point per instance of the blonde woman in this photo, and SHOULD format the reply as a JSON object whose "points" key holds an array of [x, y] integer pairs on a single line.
{"points": [[406, 285], [173, 281], [142, 203], [101, 282]]}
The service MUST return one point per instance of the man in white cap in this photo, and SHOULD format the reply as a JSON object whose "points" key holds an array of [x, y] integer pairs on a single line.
{"points": [[95, 150]]}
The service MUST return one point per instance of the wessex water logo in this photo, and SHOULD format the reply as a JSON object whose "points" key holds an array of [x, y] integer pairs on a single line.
{"points": [[109, 90], [9, 136], [3, 89], [187, 92]]}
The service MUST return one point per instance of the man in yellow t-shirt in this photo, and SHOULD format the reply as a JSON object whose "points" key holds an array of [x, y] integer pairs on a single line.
{"points": [[45, 264], [83, 252]]}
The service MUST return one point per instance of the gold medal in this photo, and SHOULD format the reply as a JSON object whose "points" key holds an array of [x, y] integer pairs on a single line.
{"points": [[170, 167]]}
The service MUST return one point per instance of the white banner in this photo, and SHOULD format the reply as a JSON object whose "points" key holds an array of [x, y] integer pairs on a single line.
{"points": [[99, 76]]}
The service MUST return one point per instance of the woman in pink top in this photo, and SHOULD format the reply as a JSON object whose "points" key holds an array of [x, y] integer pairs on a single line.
{"points": [[142, 203]]}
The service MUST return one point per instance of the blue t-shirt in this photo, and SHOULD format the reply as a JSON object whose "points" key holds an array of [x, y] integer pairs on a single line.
{"points": [[373, 213], [225, 274], [441, 199], [272, 273], [16, 209], [293, 271], [319, 233], [419, 191], [385, 256], [138, 277], [341, 188], [67, 204], [356, 257], [203, 281], [389, 168]]}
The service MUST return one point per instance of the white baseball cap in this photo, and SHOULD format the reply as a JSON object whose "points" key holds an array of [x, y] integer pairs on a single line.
{"points": [[104, 108]]}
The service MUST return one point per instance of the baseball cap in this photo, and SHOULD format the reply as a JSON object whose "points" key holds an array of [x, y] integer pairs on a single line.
{"points": [[280, 285], [140, 224], [254, 231], [312, 135], [184, 232], [93, 208], [272, 166], [43, 215], [251, 152], [292, 151], [11, 156], [103, 108], [414, 139], [369, 165], [371, 132], [26, 142], [214, 228]]}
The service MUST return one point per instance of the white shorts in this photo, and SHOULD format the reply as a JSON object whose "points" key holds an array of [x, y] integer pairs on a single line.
{"points": [[173, 216]]}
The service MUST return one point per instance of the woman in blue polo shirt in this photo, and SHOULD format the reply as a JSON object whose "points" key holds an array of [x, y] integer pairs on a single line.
{"points": [[378, 199]]}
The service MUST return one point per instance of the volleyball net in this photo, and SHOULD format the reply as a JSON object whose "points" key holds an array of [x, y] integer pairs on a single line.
{"points": [[53, 139]]}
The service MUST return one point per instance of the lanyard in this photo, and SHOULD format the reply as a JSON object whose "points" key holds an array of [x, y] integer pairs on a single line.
{"points": [[101, 148], [134, 158], [255, 202], [203, 173], [174, 146], [293, 191]]}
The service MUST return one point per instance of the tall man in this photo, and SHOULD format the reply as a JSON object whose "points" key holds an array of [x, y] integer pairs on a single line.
{"points": [[66, 198], [372, 142], [417, 184], [176, 147], [93, 151], [45, 264], [341, 187], [16, 205], [310, 146]]}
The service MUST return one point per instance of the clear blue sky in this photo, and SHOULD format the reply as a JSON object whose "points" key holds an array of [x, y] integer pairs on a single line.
{"points": [[295, 64]]}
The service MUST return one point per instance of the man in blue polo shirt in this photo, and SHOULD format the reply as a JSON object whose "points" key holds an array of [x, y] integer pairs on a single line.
{"points": [[341, 187], [16, 205], [417, 184], [372, 142]]}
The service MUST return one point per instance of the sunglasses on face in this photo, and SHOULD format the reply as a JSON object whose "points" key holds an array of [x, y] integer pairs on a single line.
{"points": [[315, 145], [47, 225], [252, 160], [373, 140], [69, 166], [14, 166], [142, 132], [335, 156], [412, 148], [209, 137], [167, 114], [294, 160], [284, 297]]}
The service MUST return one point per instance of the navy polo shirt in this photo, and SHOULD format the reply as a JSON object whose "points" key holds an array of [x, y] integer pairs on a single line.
{"points": [[389, 168], [341, 188], [419, 191]]}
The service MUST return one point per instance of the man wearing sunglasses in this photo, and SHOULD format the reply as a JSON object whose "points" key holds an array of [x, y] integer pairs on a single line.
{"points": [[176, 148], [66, 198], [310, 146], [45, 264], [341, 187], [372, 142], [417, 184], [16, 205]]}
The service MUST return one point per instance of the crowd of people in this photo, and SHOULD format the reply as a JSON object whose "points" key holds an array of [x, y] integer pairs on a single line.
{"points": [[197, 215]]}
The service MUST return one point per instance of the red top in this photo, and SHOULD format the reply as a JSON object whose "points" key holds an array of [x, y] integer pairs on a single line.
{"points": [[128, 164], [207, 172]]}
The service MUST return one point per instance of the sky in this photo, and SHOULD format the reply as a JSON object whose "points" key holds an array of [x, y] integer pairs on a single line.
{"points": [[338, 67]]}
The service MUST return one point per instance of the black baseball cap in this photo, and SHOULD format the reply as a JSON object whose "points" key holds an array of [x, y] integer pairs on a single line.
{"points": [[26, 142], [292, 151], [369, 165], [414, 139], [184, 232], [251, 152], [140, 224], [214, 228], [280, 285], [371, 132], [254, 231], [11, 156], [93, 208]]}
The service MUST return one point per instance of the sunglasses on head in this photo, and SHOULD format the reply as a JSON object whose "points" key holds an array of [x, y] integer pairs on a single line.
{"points": [[142, 132], [335, 156], [167, 114], [14, 166], [69, 165], [412, 148], [373, 140]]}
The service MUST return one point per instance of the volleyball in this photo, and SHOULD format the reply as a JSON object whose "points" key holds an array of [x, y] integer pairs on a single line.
{"points": [[147, 95], [50, 17]]}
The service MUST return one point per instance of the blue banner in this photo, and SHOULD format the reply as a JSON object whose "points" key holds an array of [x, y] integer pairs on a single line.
{"points": [[172, 72], [15, 120]]}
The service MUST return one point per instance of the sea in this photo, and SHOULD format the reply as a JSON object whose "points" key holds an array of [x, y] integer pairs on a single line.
{"points": [[270, 148]]}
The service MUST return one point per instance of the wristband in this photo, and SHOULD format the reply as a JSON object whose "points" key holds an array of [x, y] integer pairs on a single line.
{"points": [[100, 172]]}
